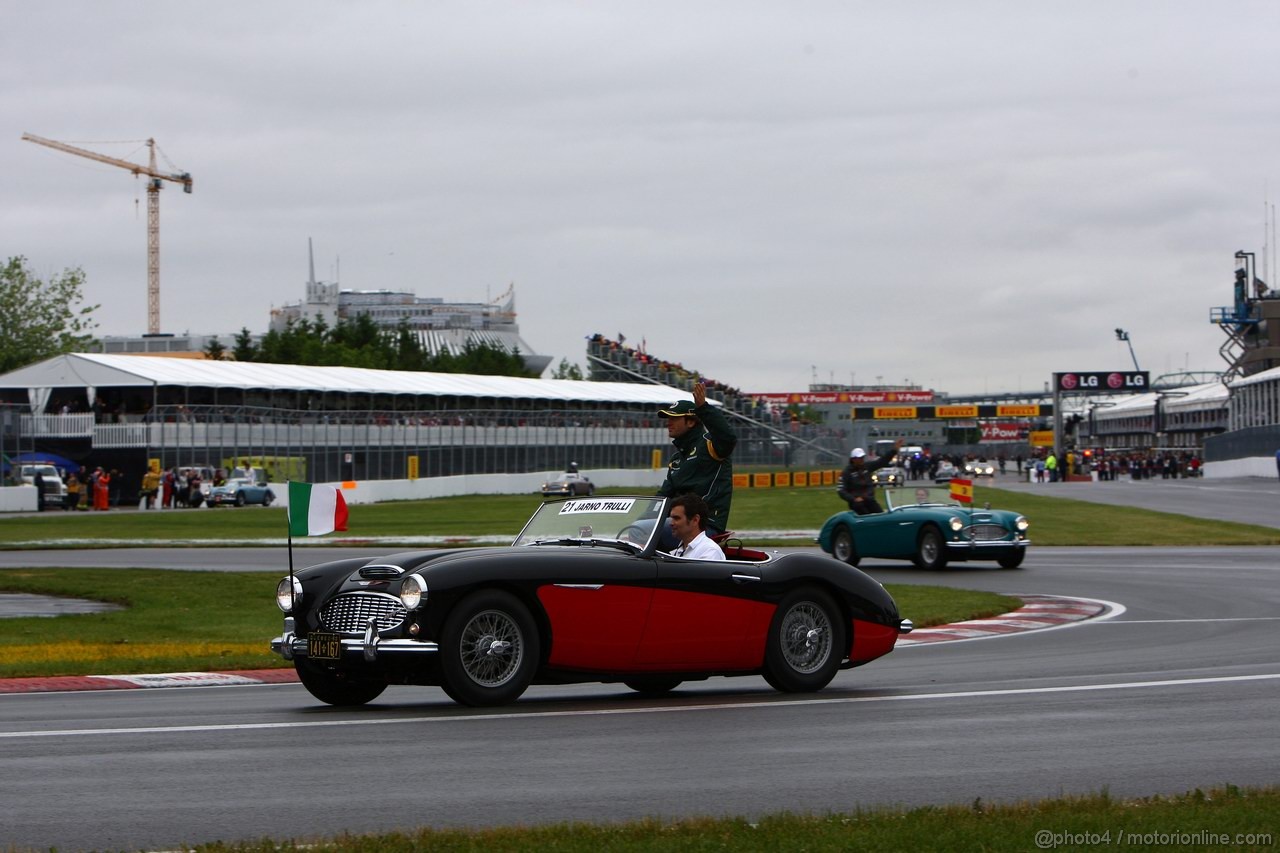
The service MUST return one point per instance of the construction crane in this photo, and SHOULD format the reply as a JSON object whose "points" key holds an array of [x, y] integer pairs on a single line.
{"points": [[153, 210]]}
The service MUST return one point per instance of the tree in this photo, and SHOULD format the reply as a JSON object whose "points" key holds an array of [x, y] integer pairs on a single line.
{"points": [[40, 319], [565, 370], [215, 350], [244, 349]]}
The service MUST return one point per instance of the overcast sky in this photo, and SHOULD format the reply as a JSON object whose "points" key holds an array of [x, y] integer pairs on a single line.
{"points": [[967, 196]]}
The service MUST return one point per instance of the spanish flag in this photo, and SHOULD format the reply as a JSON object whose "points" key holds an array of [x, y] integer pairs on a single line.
{"points": [[962, 491]]}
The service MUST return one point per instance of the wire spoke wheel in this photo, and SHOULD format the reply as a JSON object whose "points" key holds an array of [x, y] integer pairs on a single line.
{"points": [[806, 638], [492, 648], [807, 641]]}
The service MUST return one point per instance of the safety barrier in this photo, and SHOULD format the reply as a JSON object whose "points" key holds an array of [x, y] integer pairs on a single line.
{"points": [[785, 479]]}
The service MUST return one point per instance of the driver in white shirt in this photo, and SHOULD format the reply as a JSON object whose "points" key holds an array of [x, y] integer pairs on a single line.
{"points": [[687, 512]]}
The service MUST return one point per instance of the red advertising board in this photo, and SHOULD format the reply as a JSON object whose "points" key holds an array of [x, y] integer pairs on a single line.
{"points": [[870, 397], [1005, 431]]}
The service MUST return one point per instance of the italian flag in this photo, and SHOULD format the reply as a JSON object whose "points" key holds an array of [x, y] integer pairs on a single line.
{"points": [[315, 510]]}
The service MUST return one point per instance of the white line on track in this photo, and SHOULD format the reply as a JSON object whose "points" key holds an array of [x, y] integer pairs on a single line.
{"points": [[610, 712], [1181, 621]]}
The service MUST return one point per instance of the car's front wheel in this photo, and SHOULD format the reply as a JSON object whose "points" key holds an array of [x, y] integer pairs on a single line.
{"points": [[652, 685], [1012, 560], [239, 498], [806, 642], [489, 649], [842, 547], [931, 551], [334, 688]]}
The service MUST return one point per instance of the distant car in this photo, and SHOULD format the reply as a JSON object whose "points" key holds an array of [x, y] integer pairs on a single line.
{"points": [[980, 468], [923, 524], [239, 491], [583, 594], [945, 472], [568, 485], [890, 475]]}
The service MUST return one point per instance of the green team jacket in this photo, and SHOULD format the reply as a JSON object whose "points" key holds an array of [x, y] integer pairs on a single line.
{"points": [[701, 465]]}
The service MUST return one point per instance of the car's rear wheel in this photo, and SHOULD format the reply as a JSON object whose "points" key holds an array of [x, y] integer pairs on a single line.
{"points": [[652, 685], [806, 642], [489, 649], [268, 498], [842, 547], [334, 688], [1013, 559], [931, 551]]}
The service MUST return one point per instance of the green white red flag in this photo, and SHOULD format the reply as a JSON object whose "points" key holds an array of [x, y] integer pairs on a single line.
{"points": [[316, 510]]}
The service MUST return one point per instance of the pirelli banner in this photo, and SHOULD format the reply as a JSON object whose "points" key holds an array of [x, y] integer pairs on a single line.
{"points": [[950, 413]]}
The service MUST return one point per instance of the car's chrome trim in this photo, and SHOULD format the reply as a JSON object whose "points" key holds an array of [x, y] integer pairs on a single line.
{"points": [[381, 571], [579, 585], [966, 544], [906, 626], [290, 647], [741, 578]]}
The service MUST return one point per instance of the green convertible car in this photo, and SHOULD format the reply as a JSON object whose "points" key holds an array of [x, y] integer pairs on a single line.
{"points": [[923, 524]]}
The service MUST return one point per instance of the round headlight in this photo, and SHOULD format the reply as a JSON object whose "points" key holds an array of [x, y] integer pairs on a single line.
{"points": [[287, 593], [957, 524], [1021, 522], [413, 592]]}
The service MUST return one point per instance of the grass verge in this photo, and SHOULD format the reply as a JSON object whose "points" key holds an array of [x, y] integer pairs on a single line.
{"points": [[1226, 817], [1054, 521], [202, 621]]}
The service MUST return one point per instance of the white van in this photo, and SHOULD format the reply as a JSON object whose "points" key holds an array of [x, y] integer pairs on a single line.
{"points": [[55, 491]]}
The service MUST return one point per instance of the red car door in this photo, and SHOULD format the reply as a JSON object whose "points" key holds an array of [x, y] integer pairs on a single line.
{"points": [[703, 617]]}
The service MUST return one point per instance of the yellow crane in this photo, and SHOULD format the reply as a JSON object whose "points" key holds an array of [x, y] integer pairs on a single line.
{"points": [[153, 210]]}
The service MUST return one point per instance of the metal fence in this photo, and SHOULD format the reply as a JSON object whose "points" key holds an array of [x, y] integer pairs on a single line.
{"points": [[387, 445], [1243, 443]]}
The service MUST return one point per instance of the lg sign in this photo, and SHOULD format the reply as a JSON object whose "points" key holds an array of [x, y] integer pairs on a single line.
{"points": [[1133, 381]]}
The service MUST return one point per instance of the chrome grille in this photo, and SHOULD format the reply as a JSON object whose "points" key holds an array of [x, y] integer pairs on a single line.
{"points": [[987, 533], [349, 613]]}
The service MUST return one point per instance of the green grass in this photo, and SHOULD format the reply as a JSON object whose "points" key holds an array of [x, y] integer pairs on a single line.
{"points": [[1054, 521], [1194, 820], [173, 622], [208, 621]]}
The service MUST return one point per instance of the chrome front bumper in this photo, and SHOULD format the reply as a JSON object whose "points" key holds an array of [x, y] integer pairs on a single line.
{"points": [[995, 544], [370, 646]]}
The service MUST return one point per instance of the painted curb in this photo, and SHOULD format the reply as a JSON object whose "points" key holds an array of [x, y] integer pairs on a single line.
{"points": [[1038, 612]]}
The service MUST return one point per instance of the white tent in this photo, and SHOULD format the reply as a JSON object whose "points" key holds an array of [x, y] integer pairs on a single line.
{"points": [[92, 371]]}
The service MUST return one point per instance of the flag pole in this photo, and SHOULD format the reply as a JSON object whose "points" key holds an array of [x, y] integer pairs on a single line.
{"points": [[288, 513]]}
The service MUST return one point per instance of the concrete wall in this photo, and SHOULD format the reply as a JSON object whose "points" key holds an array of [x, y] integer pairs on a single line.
{"points": [[1251, 466], [18, 499], [375, 491]]}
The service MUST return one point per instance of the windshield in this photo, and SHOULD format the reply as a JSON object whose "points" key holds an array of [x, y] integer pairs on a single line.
{"points": [[918, 495], [629, 519]]}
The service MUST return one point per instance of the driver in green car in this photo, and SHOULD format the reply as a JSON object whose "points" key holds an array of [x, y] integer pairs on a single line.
{"points": [[856, 486]]}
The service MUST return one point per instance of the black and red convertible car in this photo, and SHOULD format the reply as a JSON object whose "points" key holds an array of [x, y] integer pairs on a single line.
{"points": [[583, 594]]}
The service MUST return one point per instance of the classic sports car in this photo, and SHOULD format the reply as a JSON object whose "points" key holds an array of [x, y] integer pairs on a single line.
{"points": [[890, 475], [568, 484], [923, 524], [582, 594], [240, 491], [945, 472], [980, 468]]}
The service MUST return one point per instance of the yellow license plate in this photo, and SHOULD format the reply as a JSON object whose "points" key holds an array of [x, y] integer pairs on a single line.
{"points": [[324, 646]]}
